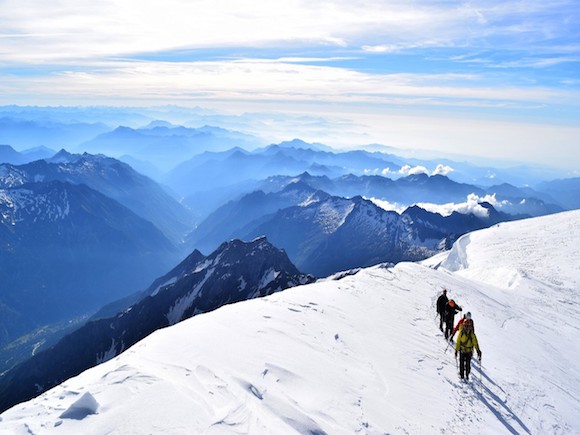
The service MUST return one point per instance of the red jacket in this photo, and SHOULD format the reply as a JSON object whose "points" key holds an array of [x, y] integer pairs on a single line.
{"points": [[459, 326]]}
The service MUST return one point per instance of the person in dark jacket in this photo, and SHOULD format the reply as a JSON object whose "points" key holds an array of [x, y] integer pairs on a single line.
{"points": [[451, 308], [441, 302]]}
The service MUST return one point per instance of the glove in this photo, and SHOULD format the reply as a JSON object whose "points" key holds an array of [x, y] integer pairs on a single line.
{"points": [[479, 355], [455, 354]]}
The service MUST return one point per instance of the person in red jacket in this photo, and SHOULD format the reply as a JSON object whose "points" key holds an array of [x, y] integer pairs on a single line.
{"points": [[467, 316]]}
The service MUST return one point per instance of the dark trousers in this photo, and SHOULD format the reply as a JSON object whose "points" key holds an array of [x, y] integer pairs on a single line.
{"points": [[465, 364], [448, 328], [441, 321]]}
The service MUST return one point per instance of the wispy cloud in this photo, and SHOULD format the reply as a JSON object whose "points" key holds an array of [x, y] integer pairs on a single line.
{"points": [[67, 29], [280, 79]]}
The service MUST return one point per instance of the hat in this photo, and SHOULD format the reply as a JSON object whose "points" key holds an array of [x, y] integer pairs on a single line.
{"points": [[451, 303], [468, 315], [444, 290]]}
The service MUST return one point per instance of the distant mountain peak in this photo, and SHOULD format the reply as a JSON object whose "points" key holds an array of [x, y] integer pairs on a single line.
{"points": [[294, 143], [298, 184], [238, 246], [300, 144], [158, 123], [63, 156]]}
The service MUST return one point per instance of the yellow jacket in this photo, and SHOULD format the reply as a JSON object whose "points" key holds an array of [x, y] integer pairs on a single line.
{"points": [[466, 341]]}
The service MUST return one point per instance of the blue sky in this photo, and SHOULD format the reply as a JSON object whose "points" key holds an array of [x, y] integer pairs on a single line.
{"points": [[490, 78]]}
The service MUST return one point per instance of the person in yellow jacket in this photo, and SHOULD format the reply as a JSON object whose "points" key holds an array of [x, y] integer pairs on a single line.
{"points": [[466, 342]]}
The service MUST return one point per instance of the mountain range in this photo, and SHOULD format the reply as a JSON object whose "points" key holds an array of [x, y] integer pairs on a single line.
{"points": [[236, 271], [237, 165], [10, 155], [112, 178], [165, 145], [422, 188], [324, 234], [565, 191], [22, 132], [235, 173], [143, 138], [334, 234]]}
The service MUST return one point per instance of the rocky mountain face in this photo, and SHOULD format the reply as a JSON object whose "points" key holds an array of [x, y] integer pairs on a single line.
{"points": [[236, 271], [230, 220], [335, 234]]}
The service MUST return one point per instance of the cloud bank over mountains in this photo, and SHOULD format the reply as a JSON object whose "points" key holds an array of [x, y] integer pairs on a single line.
{"points": [[488, 78]]}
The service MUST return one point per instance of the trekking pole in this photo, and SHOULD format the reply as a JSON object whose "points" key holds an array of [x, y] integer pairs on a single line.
{"points": [[448, 344]]}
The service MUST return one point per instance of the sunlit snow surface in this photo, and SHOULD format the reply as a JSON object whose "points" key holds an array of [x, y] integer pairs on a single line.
{"points": [[359, 355]]}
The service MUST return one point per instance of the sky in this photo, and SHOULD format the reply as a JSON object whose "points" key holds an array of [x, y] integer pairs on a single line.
{"points": [[362, 354], [490, 78]]}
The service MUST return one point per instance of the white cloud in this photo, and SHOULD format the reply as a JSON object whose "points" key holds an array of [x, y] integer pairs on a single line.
{"points": [[381, 48], [442, 170], [388, 206], [471, 205], [261, 80], [413, 170], [376, 171]]}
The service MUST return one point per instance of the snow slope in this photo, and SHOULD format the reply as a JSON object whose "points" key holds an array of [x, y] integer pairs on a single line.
{"points": [[358, 355]]}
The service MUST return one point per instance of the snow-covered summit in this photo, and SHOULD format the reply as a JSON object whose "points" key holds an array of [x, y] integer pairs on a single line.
{"points": [[358, 355]]}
